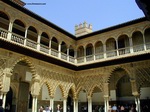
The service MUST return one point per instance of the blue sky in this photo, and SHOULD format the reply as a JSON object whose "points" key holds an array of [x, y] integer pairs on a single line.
{"points": [[100, 13]]}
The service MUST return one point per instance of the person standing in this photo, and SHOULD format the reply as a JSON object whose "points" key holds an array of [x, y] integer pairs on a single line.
{"points": [[7, 108], [1, 108]]}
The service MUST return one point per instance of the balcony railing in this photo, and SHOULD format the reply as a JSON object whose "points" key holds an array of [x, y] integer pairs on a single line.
{"points": [[17, 38], [9, 36], [44, 48], [99, 56], [31, 43], [123, 51], [3, 33], [54, 52], [138, 48], [63, 56]]}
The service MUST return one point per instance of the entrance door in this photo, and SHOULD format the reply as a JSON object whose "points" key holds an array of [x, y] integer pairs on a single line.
{"points": [[23, 97]]}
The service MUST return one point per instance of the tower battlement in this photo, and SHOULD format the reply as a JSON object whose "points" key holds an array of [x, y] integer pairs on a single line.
{"points": [[82, 29]]}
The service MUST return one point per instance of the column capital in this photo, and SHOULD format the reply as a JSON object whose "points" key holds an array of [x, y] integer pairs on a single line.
{"points": [[89, 97], [7, 72]]}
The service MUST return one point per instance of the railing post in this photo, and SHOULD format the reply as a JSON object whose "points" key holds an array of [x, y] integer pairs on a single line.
{"points": [[131, 45], [10, 30], [104, 48], [38, 42], [25, 41]]}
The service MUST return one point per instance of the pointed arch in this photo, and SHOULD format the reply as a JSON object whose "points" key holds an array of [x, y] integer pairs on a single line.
{"points": [[29, 63], [92, 89]]}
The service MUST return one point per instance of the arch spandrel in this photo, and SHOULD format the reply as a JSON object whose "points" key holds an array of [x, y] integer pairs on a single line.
{"points": [[91, 90]]}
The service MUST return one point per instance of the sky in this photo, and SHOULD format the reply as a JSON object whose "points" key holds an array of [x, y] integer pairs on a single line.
{"points": [[100, 13]]}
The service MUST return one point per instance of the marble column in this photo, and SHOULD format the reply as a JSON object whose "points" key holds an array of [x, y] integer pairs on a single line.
{"points": [[64, 105], [33, 104], [4, 100], [89, 103], [10, 30], [52, 103]]}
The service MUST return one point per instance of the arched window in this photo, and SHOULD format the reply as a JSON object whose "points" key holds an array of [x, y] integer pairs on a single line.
{"points": [[32, 37], [99, 50], [19, 28], [4, 21], [123, 45], [147, 38], [111, 47], [137, 39], [44, 43], [89, 52], [80, 51]]}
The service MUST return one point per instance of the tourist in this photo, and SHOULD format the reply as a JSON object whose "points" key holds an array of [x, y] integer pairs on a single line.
{"points": [[41, 109], [58, 108], [1, 108], [114, 108], [7, 108], [122, 109]]}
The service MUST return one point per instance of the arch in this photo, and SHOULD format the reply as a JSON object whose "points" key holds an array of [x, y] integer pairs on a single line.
{"points": [[4, 20], [137, 38], [71, 51], [60, 86], [63, 47], [80, 89], [111, 47], [54, 43], [99, 47], [72, 88], [44, 39], [80, 51], [123, 44], [110, 44], [18, 28], [89, 49], [32, 34], [92, 89], [147, 37], [123, 41], [29, 63], [138, 43], [116, 69]]}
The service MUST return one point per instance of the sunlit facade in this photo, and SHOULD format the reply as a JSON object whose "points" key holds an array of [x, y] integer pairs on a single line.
{"points": [[42, 64]]}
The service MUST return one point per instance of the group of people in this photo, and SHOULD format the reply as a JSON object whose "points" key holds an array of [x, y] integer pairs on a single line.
{"points": [[115, 108], [46, 109], [49, 109], [122, 108]]}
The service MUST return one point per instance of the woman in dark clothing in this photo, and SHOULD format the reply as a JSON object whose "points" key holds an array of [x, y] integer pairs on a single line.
{"points": [[1, 108]]}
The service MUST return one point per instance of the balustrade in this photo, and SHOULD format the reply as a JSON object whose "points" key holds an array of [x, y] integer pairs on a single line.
{"points": [[138, 48], [31, 43], [123, 51], [54, 52], [44, 48], [98, 56], [111, 53], [3, 33], [17, 38], [71, 59], [89, 57], [80, 59], [147, 46], [63, 56]]}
